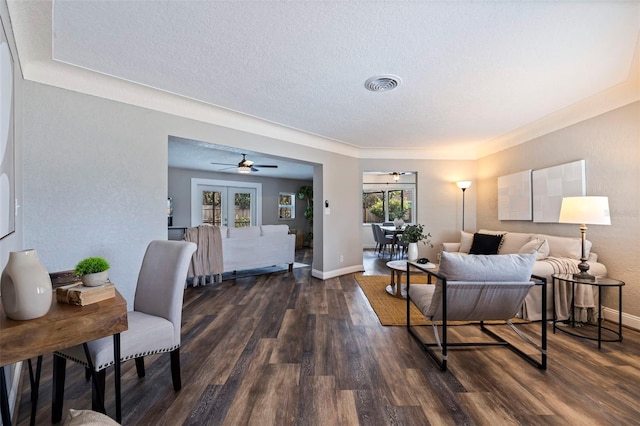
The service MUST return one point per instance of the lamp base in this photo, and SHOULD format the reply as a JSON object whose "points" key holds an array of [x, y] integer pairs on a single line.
{"points": [[584, 276]]}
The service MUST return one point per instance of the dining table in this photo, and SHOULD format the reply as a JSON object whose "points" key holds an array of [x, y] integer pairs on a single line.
{"points": [[394, 232]]}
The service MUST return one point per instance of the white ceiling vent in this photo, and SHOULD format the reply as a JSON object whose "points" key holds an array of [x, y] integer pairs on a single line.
{"points": [[382, 83]]}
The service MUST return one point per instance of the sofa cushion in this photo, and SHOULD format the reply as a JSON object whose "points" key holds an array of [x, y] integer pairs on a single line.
{"points": [[485, 244], [505, 267], [565, 246], [274, 229], [246, 232], [537, 246], [466, 239]]}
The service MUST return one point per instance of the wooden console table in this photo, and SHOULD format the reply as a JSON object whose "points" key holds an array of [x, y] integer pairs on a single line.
{"points": [[62, 327]]}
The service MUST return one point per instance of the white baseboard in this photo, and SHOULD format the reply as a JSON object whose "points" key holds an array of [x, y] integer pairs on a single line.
{"points": [[336, 272], [630, 321]]}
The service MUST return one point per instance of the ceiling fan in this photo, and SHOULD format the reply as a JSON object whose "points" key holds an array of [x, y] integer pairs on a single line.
{"points": [[396, 175], [247, 166]]}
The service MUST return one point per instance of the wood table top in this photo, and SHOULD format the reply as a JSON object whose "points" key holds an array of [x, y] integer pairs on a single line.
{"points": [[62, 327]]}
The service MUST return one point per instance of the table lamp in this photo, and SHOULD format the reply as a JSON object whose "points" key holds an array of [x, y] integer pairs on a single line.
{"points": [[585, 211]]}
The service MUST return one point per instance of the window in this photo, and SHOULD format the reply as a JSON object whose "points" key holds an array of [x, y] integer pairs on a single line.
{"points": [[384, 205], [287, 206], [373, 207]]}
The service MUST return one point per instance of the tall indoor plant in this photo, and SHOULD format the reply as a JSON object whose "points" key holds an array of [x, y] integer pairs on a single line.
{"points": [[306, 193], [412, 235]]}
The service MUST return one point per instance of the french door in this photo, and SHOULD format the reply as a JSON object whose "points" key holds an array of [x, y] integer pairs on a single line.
{"points": [[224, 205]]}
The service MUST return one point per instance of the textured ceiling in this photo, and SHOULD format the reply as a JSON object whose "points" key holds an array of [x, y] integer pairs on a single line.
{"points": [[471, 71]]}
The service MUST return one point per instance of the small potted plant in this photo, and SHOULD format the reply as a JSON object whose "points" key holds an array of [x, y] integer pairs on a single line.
{"points": [[412, 235], [93, 271], [397, 213]]}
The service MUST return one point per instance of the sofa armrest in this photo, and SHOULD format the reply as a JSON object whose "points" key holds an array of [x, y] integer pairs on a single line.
{"points": [[451, 247]]}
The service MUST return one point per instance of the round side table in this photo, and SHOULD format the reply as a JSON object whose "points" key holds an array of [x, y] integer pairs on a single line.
{"points": [[601, 283]]}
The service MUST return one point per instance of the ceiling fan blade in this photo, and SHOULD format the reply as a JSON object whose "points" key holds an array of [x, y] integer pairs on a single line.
{"points": [[269, 166], [253, 169], [224, 164]]}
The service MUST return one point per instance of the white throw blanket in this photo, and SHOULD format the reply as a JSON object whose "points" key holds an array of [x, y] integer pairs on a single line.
{"points": [[583, 295]]}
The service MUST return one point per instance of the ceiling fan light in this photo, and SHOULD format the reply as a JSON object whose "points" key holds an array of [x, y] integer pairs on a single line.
{"points": [[244, 169], [396, 176]]}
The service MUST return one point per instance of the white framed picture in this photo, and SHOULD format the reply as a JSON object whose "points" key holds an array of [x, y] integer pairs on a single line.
{"points": [[514, 196], [550, 185]]}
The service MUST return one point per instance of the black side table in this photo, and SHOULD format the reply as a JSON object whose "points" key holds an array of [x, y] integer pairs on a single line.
{"points": [[601, 283]]}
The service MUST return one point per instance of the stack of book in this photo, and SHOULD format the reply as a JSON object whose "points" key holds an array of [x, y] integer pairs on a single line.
{"points": [[81, 295]]}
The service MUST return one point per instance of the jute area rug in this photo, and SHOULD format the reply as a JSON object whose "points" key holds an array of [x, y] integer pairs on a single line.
{"points": [[393, 311], [389, 309]]}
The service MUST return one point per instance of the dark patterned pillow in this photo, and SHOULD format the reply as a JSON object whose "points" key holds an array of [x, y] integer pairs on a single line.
{"points": [[485, 244]]}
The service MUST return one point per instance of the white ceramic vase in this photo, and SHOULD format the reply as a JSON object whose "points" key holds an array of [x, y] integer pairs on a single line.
{"points": [[412, 252], [93, 280], [399, 223], [26, 286]]}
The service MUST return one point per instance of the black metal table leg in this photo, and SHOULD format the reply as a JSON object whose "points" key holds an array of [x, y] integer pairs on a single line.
{"points": [[94, 379], [4, 399], [116, 373], [35, 386]]}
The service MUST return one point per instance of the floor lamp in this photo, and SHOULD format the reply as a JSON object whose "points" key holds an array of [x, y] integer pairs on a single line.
{"points": [[463, 185]]}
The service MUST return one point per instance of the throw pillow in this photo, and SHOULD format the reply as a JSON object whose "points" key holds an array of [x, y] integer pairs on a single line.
{"points": [[88, 418], [485, 244], [466, 239], [538, 246]]}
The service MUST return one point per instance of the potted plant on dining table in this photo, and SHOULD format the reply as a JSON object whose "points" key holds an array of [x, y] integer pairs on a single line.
{"points": [[398, 213], [412, 235]]}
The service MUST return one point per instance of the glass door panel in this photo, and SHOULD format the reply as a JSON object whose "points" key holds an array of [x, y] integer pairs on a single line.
{"points": [[242, 209]]}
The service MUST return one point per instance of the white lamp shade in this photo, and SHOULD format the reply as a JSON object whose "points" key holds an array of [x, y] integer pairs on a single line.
{"points": [[585, 210], [464, 184]]}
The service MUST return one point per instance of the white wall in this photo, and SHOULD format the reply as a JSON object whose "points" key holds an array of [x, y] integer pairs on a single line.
{"points": [[14, 241], [610, 146], [96, 183]]}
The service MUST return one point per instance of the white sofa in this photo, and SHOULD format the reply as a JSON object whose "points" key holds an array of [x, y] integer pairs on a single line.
{"points": [[554, 255], [257, 247]]}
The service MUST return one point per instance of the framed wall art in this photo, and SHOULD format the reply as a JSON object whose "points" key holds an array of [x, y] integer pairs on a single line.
{"points": [[514, 196], [550, 185], [7, 144]]}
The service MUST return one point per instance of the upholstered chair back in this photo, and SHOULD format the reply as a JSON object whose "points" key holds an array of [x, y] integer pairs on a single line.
{"points": [[161, 280]]}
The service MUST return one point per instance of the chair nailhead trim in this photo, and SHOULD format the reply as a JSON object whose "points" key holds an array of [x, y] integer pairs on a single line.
{"points": [[102, 367]]}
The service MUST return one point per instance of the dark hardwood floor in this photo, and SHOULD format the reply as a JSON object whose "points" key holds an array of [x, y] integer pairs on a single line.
{"points": [[289, 349]]}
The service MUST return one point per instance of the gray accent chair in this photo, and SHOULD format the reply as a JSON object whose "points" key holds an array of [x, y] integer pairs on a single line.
{"points": [[153, 325], [476, 288]]}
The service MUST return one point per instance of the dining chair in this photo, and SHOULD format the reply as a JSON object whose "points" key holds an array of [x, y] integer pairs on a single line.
{"points": [[153, 325], [382, 239], [375, 236]]}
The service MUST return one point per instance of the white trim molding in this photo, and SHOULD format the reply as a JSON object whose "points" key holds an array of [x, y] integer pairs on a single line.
{"points": [[325, 275], [628, 320]]}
